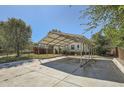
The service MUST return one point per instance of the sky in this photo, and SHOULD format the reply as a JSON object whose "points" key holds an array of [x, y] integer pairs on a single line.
{"points": [[43, 18]]}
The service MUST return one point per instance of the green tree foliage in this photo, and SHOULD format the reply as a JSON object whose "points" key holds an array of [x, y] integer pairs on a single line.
{"points": [[102, 44], [4, 38], [116, 36], [16, 34], [104, 15], [110, 19]]}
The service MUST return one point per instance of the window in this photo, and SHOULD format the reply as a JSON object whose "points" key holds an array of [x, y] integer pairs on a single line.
{"points": [[72, 47]]}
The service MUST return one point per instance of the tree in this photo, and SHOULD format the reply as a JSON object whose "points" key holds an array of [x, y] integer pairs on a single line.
{"points": [[4, 37], [116, 36], [110, 19], [16, 33], [102, 44], [104, 15]]}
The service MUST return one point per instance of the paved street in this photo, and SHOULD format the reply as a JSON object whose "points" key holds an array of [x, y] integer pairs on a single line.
{"points": [[60, 72]]}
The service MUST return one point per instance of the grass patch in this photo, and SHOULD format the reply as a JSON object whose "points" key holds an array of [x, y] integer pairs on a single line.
{"points": [[41, 56], [11, 59], [26, 57]]}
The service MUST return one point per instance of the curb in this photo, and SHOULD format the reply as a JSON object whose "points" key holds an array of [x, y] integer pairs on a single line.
{"points": [[119, 65]]}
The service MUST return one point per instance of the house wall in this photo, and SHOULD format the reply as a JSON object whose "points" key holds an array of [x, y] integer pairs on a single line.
{"points": [[76, 48], [64, 50]]}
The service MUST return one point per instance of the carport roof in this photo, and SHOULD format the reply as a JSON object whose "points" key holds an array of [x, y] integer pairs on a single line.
{"points": [[58, 38]]}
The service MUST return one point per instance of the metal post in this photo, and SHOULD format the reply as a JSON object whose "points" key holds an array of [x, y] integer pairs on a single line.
{"points": [[93, 52], [58, 49], [47, 50], [38, 49], [89, 52], [85, 51], [81, 53], [67, 51], [83, 48], [53, 50]]}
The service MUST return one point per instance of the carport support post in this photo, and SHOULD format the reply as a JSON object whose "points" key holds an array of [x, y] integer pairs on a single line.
{"points": [[81, 53], [38, 49], [67, 50], [47, 49], [91, 52], [88, 52], [54, 50], [85, 50], [58, 49]]}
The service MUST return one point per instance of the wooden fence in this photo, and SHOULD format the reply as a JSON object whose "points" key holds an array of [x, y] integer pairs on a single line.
{"points": [[121, 53], [42, 51]]}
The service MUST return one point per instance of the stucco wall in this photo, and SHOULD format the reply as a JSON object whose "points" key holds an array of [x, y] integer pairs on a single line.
{"points": [[76, 49]]}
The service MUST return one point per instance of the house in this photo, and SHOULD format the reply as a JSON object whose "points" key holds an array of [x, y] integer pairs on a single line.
{"points": [[64, 43]]}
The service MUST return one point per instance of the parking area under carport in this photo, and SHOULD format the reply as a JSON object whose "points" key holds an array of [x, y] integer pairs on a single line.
{"points": [[61, 71]]}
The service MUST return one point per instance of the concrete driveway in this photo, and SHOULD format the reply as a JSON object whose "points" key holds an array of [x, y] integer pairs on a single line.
{"points": [[60, 72]]}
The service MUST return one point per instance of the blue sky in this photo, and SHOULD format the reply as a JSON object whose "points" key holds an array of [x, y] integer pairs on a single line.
{"points": [[45, 18]]}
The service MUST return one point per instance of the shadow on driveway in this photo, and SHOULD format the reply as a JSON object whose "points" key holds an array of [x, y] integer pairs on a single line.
{"points": [[14, 64]]}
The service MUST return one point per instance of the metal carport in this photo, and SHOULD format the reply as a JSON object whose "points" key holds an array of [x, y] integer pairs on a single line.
{"points": [[60, 39]]}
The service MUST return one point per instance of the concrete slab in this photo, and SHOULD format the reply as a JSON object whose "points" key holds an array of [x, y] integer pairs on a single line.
{"points": [[35, 65], [90, 82], [119, 65], [32, 79], [65, 84], [62, 72], [13, 72], [52, 72]]}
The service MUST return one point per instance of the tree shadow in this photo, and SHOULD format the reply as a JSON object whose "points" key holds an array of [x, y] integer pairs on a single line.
{"points": [[14, 64], [101, 69]]}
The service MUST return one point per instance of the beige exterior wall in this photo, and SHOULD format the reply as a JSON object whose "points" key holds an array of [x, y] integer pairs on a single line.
{"points": [[76, 49]]}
